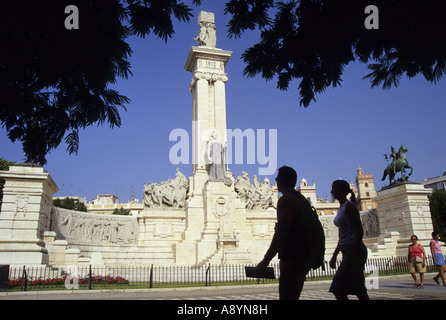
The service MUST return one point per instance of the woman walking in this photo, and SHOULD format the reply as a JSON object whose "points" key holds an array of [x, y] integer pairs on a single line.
{"points": [[438, 257], [349, 278], [417, 261]]}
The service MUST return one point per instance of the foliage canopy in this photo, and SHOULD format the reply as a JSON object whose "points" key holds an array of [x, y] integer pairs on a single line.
{"points": [[56, 81], [313, 40]]}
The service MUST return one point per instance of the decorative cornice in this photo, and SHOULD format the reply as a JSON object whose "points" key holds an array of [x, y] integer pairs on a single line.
{"points": [[196, 53], [209, 76]]}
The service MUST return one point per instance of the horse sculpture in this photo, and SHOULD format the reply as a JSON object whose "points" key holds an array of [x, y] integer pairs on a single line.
{"points": [[399, 164]]}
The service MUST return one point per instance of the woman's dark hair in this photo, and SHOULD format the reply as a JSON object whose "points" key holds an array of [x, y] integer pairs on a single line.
{"points": [[434, 234], [344, 187], [287, 176]]}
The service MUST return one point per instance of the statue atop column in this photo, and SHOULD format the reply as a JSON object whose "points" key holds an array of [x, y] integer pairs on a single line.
{"points": [[207, 35]]}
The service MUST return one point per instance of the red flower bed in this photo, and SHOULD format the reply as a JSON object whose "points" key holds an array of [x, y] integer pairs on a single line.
{"points": [[61, 281], [104, 280]]}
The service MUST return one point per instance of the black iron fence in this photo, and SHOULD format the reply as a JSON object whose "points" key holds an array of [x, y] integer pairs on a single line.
{"points": [[154, 276]]}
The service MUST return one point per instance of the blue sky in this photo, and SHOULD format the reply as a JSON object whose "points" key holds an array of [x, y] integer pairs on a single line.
{"points": [[347, 127]]}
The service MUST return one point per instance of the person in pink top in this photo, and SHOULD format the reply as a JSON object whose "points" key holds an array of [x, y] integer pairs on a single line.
{"points": [[417, 261], [438, 257]]}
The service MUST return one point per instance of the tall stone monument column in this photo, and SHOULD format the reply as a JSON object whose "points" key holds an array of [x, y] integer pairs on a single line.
{"points": [[207, 65], [25, 215], [212, 210]]}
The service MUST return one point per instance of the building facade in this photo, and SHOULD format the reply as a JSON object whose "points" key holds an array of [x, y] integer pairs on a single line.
{"points": [[365, 190], [437, 183]]}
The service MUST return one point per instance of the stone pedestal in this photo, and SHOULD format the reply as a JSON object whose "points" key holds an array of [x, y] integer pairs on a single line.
{"points": [[404, 209], [25, 215], [215, 222]]}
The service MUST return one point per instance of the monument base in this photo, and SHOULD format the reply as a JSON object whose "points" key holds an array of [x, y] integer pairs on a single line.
{"points": [[17, 253], [215, 220], [403, 211], [25, 215]]}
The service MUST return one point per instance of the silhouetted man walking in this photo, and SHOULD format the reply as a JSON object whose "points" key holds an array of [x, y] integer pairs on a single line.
{"points": [[291, 237]]}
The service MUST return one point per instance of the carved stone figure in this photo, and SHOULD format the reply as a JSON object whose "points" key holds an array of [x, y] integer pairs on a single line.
{"points": [[170, 193], [257, 195], [216, 158], [243, 187], [265, 194], [207, 35]]}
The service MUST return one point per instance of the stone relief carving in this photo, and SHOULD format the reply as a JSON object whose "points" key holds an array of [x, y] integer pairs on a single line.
{"points": [[370, 223], [330, 230], [21, 204], [94, 228], [369, 220], [167, 194], [257, 195], [226, 229], [45, 213], [220, 208]]}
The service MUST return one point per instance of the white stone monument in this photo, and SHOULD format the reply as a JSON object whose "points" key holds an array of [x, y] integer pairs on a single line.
{"points": [[403, 210], [214, 214], [25, 215]]}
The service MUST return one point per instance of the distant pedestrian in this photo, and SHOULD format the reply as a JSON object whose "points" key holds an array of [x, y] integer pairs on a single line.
{"points": [[349, 278], [438, 257], [417, 261]]}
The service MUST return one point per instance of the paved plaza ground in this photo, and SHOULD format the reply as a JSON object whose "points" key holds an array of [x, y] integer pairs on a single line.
{"points": [[386, 288], [393, 297]]}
